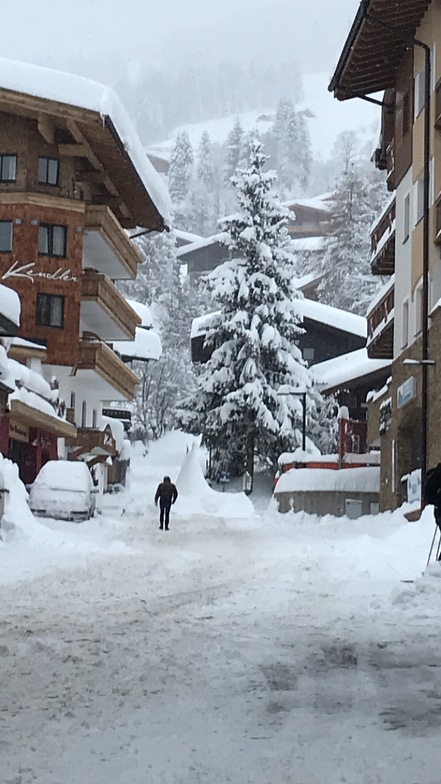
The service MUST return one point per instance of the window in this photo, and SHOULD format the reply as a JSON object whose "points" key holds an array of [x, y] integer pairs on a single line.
{"points": [[50, 310], [48, 171], [8, 168], [308, 354], [419, 92], [72, 400], [419, 185], [405, 325], [52, 240], [406, 217], [418, 309], [5, 236], [94, 417], [84, 414]]}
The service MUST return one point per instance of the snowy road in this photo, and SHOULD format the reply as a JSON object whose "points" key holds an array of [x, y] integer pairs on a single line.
{"points": [[225, 651]]}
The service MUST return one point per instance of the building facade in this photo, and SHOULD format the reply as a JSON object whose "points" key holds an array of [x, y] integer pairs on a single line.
{"points": [[387, 51], [73, 179]]}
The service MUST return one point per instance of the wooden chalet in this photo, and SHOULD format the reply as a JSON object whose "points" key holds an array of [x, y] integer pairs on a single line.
{"points": [[73, 178]]}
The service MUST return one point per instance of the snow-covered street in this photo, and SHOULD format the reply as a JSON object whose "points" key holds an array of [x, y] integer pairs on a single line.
{"points": [[260, 649]]}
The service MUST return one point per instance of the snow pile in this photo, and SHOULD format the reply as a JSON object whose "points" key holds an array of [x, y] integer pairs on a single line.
{"points": [[17, 515], [117, 429], [197, 497], [10, 304]]}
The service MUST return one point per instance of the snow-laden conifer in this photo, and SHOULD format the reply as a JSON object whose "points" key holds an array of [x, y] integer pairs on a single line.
{"points": [[238, 405]]}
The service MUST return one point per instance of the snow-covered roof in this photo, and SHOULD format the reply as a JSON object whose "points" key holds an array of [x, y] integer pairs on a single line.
{"points": [[307, 309], [117, 429], [307, 243], [347, 367], [23, 343], [143, 312], [333, 317], [316, 202], [187, 236], [147, 345], [73, 90], [203, 242], [307, 280], [10, 304], [355, 480]]}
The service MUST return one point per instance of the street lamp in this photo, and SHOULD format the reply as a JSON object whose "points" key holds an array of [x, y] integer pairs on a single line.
{"points": [[284, 391]]}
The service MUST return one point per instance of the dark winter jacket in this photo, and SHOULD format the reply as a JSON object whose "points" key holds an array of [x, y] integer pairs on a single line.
{"points": [[166, 493], [432, 488]]}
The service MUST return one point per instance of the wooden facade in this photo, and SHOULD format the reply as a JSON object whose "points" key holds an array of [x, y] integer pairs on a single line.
{"points": [[68, 191]]}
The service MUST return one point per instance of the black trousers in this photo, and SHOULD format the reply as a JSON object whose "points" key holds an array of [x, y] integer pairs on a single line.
{"points": [[164, 512]]}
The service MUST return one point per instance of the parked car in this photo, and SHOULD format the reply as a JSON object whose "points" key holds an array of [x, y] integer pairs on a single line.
{"points": [[63, 489]]}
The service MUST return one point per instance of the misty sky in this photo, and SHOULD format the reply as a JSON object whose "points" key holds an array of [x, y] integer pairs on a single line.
{"points": [[94, 35]]}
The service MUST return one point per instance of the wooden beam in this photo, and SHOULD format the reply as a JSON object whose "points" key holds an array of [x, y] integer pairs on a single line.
{"points": [[73, 150], [46, 127], [98, 178]]}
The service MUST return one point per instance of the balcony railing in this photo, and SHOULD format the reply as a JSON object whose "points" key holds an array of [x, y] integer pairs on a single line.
{"points": [[92, 441], [98, 357], [107, 248], [104, 311], [383, 242], [381, 325]]}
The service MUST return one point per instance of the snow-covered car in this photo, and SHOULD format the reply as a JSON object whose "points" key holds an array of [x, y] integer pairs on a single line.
{"points": [[63, 489]]}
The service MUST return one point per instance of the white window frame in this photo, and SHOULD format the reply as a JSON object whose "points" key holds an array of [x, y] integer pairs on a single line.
{"points": [[419, 93], [406, 217], [418, 308], [405, 324], [419, 199]]}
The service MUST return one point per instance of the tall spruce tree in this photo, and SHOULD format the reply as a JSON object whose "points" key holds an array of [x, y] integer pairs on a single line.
{"points": [[233, 150], [347, 279], [180, 175], [236, 404]]}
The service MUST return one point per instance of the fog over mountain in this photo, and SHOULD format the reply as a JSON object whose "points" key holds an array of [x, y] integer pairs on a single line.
{"points": [[175, 63]]}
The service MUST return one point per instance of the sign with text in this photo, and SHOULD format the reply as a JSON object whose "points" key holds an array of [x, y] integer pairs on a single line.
{"points": [[406, 392], [29, 272], [19, 432]]}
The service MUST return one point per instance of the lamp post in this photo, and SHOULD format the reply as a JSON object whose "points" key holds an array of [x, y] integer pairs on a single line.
{"points": [[284, 391]]}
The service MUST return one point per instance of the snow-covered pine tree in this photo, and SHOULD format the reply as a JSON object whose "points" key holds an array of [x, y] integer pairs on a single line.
{"points": [[293, 151], [205, 162], [159, 285], [180, 175], [347, 279], [233, 149], [236, 404]]}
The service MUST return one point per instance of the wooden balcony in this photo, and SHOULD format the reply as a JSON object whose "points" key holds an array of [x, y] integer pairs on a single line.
{"points": [[383, 243], [380, 341], [106, 246], [92, 441], [98, 358], [104, 311]]}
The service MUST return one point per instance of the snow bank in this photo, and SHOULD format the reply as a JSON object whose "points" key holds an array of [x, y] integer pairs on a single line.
{"points": [[17, 515], [197, 497]]}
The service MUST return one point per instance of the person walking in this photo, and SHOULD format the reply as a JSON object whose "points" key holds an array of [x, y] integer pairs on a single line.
{"points": [[166, 494], [432, 494]]}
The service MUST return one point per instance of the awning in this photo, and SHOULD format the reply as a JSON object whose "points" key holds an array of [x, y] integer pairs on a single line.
{"points": [[23, 414], [371, 54]]}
